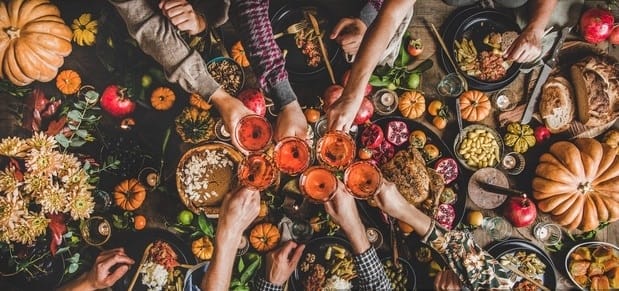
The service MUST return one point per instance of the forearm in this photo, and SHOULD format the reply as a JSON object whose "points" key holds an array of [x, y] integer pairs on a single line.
{"points": [[79, 284], [218, 275], [541, 10], [420, 222]]}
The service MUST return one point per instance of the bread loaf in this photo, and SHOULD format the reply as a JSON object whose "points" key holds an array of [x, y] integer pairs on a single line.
{"points": [[596, 83], [557, 104]]}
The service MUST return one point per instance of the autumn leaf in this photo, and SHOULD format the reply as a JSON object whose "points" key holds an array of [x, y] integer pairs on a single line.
{"points": [[55, 126], [57, 227]]}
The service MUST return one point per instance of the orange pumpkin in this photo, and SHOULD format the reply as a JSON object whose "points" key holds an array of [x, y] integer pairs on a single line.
{"points": [[264, 237], [129, 194], [197, 101], [412, 104], [162, 98], [474, 105], [202, 248], [33, 41], [238, 54], [68, 82]]}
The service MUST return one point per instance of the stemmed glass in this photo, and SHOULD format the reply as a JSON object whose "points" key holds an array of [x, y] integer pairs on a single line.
{"points": [[292, 155], [257, 171], [362, 179], [254, 133], [335, 150], [318, 184]]}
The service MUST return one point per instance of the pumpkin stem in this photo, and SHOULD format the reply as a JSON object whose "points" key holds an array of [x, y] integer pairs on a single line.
{"points": [[585, 187], [12, 32]]}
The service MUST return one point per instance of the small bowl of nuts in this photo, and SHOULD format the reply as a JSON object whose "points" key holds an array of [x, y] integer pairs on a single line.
{"points": [[479, 147], [227, 73]]}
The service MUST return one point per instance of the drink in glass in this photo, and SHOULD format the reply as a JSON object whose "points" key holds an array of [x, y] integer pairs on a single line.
{"points": [[318, 184], [257, 171], [335, 150], [450, 85], [253, 133], [292, 155], [96, 230], [547, 233], [362, 179]]}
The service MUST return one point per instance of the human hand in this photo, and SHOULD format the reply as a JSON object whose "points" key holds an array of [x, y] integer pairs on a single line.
{"points": [[447, 280], [232, 110], [238, 211], [100, 277], [183, 16], [389, 199], [291, 122], [282, 261], [343, 210], [348, 33], [341, 114], [527, 47]]}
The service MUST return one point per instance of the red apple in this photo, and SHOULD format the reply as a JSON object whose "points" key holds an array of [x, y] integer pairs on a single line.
{"points": [[116, 101], [254, 100], [520, 211]]}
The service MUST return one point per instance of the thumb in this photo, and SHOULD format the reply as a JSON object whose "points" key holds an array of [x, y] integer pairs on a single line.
{"points": [[338, 27], [297, 255]]}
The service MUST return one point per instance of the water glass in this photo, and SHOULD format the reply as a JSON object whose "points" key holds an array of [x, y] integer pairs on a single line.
{"points": [[96, 230], [451, 85], [547, 233], [497, 227]]}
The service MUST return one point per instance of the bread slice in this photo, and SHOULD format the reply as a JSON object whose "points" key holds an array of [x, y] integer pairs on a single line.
{"points": [[557, 104]]}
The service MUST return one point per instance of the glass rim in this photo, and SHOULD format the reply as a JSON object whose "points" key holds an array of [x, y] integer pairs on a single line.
{"points": [[86, 237], [340, 133], [284, 140], [302, 180], [253, 116], [347, 173], [268, 160]]}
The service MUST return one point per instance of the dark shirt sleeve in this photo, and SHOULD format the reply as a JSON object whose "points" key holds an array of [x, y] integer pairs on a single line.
{"points": [[264, 285]]}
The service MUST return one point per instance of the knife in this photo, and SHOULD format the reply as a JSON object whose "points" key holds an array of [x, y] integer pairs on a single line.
{"points": [[543, 76], [499, 189], [322, 46]]}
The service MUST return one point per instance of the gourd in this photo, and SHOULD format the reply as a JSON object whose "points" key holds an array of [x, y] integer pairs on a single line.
{"points": [[68, 82], [474, 105], [611, 138], [238, 54], [264, 237], [197, 101], [129, 194], [202, 248], [578, 183], [194, 125], [162, 98], [33, 41], [412, 104], [519, 136]]}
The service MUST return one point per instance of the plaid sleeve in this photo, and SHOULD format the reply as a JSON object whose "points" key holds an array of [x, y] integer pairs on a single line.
{"points": [[370, 271], [264, 285]]}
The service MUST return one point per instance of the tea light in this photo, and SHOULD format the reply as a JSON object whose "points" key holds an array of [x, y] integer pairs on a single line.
{"points": [[502, 101], [513, 163], [221, 132], [509, 162], [387, 99]]}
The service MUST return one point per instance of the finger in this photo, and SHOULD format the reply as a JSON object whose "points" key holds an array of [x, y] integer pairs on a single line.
{"points": [[116, 259], [339, 26], [179, 19], [106, 255], [329, 206], [169, 4], [287, 248], [298, 252], [117, 274], [179, 10], [437, 281]]}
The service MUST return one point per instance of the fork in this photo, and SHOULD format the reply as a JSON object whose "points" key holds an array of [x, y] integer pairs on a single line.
{"points": [[292, 29]]}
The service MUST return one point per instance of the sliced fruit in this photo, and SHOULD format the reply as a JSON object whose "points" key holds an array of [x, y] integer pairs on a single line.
{"points": [[397, 132], [372, 136], [448, 168]]}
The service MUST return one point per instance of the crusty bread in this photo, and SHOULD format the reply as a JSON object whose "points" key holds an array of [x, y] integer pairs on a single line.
{"points": [[596, 83], [557, 104]]}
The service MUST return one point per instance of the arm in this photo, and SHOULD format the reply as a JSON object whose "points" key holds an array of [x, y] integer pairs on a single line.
{"points": [[528, 46], [392, 13], [238, 210], [99, 277], [183, 15]]}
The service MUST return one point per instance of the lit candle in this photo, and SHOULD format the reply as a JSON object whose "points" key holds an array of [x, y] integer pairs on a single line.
{"points": [[502, 101], [387, 99], [509, 162]]}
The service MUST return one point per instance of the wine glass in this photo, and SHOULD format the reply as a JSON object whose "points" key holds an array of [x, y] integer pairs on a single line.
{"points": [[318, 184]]}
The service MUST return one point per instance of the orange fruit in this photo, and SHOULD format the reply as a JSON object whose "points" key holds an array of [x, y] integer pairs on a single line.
{"points": [[405, 227], [435, 107], [475, 218], [439, 122], [365, 153], [312, 115], [139, 222]]}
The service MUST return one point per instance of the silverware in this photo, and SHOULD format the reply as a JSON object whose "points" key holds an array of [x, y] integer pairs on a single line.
{"points": [[499, 189], [137, 270], [325, 55], [525, 276], [543, 76], [394, 242], [292, 29]]}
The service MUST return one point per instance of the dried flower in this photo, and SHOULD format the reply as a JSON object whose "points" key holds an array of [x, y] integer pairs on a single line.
{"points": [[42, 142], [81, 205], [8, 180], [13, 147], [12, 211]]}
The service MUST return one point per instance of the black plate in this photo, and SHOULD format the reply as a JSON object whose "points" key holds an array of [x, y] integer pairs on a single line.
{"points": [[410, 272], [475, 23], [137, 242], [512, 245], [296, 61], [318, 247]]}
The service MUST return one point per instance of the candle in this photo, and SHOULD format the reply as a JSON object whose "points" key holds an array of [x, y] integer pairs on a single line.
{"points": [[372, 235], [509, 162], [502, 101], [387, 99]]}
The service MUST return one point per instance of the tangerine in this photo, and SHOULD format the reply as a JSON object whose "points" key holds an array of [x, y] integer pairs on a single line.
{"points": [[139, 222]]}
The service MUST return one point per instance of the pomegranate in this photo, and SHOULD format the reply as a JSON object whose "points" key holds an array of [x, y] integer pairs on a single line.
{"points": [[383, 153], [346, 76], [445, 215], [397, 132], [520, 211], [365, 112], [596, 24], [331, 94], [116, 101], [614, 35], [448, 168], [254, 100], [372, 136]]}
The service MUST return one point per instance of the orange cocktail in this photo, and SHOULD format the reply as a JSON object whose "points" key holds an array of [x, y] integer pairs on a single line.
{"points": [[335, 150], [318, 184], [362, 179], [257, 171], [253, 133], [292, 155]]}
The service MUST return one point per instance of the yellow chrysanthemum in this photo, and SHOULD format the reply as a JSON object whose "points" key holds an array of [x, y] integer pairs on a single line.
{"points": [[81, 205], [84, 30], [42, 142], [12, 211], [43, 162], [8, 181], [13, 147], [37, 223], [54, 201], [36, 185], [23, 234]]}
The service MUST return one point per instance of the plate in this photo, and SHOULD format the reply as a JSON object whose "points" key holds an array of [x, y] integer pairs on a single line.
{"points": [[409, 273], [296, 61], [136, 242], [513, 245], [224, 177], [475, 23], [320, 247], [591, 246]]}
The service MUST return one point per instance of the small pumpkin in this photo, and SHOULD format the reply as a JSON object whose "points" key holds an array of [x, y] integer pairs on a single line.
{"points": [[197, 101], [84, 30], [238, 54], [202, 248], [264, 237], [68, 82], [474, 105], [611, 138], [33, 41], [520, 136], [194, 125], [578, 183], [129, 194], [412, 104], [162, 98]]}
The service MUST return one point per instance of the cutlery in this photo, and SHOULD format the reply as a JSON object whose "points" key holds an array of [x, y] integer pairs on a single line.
{"points": [[137, 270], [325, 55], [543, 76], [292, 29], [499, 189], [525, 276], [394, 242]]}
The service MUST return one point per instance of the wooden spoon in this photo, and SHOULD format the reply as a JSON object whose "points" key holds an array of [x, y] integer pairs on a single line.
{"points": [[137, 271]]}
